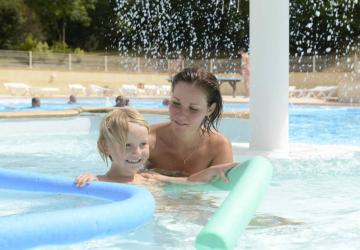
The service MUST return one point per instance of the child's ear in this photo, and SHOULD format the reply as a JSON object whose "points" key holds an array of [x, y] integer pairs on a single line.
{"points": [[105, 147], [211, 109]]}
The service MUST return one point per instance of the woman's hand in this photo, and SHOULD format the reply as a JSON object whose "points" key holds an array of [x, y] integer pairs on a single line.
{"points": [[164, 178], [85, 179], [212, 173]]}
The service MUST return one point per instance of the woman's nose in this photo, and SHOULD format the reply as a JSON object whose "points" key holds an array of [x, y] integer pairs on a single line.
{"points": [[182, 111]]}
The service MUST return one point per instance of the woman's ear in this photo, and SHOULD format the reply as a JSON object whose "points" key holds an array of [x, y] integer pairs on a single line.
{"points": [[211, 109]]}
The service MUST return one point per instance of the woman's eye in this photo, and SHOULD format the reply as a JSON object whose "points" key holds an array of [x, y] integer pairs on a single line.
{"points": [[175, 103], [143, 144], [127, 145], [193, 109]]}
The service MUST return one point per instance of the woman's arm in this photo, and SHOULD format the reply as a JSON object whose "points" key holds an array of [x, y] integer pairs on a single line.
{"points": [[204, 176], [212, 173], [164, 178]]}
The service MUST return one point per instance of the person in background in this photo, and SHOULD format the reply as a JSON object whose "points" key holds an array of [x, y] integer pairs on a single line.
{"points": [[165, 102], [174, 67], [35, 102], [245, 70], [121, 101], [72, 99]]}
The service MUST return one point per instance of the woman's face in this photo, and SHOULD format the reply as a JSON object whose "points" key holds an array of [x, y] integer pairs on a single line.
{"points": [[188, 107]]}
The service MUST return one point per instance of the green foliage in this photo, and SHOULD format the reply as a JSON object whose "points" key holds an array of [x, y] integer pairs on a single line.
{"points": [[78, 51], [56, 14], [11, 21], [42, 47], [102, 34], [33, 44], [60, 47], [29, 43]]}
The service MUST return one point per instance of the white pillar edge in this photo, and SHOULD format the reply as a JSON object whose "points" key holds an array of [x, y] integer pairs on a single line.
{"points": [[269, 77]]}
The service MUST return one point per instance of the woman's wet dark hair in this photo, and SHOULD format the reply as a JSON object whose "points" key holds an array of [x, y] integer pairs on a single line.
{"points": [[210, 85]]}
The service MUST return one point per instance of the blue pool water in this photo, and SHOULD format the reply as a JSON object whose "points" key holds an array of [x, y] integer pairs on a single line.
{"points": [[312, 202], [24, 104]]}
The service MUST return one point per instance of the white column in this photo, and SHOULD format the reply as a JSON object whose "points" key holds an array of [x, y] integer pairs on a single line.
{"points": [[30, 59], [269, 77], [70, 66]]}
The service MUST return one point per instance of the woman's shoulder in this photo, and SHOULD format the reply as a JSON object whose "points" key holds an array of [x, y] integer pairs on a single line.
{"points": [[158, 131], [218, 139]]}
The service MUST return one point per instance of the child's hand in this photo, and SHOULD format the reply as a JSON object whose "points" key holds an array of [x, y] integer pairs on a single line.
{"points": [[85, 179]]}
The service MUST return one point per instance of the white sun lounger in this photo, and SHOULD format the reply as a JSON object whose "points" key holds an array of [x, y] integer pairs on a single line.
{"points": [[129, 90], [15, 87], [165, 90], [98, 90], [151, 89], [76, 88], [322, 92], [294, 92], [45, 91]]}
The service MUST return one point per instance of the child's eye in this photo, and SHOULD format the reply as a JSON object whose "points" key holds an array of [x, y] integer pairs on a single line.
{"points": [[193, 109], [127, 145], [143, 144]]}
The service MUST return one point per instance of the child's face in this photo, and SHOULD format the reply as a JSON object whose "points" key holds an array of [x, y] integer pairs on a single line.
{"points": [[136, 151]]}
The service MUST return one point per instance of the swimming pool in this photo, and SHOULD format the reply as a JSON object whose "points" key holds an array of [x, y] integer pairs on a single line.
{"points": [[23, 104], [312, 202]]}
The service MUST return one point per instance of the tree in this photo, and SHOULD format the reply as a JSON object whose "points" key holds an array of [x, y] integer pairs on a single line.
{"points": [[11, 20], [102, 35], [56, 14]]}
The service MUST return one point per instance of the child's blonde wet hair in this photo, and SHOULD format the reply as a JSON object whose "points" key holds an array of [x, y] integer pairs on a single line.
{"points": [[114, 128]]}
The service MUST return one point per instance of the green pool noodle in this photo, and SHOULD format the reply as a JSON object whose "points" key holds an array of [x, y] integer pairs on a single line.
{"points": [[248, 182]]}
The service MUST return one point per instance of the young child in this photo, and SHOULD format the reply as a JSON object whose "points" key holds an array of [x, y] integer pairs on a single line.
{"points": [[123, 139]]}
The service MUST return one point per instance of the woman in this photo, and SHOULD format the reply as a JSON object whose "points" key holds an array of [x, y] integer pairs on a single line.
{"points": [[189, 143], [245, 70]]}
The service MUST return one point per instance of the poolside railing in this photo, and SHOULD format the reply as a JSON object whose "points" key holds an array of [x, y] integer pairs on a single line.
{"points": [[119, 63]]}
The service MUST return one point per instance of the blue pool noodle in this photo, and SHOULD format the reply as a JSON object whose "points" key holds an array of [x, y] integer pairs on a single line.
{"points": [[130, 207]]}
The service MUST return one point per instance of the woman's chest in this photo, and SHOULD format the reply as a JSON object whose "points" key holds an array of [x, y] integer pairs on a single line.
{"points": [[187, 163]]}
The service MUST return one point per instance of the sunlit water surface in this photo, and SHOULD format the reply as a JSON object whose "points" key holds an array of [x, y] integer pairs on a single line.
{"points": [[310, 204]]}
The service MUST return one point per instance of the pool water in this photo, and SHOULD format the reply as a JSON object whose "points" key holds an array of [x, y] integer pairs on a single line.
{"points": [[22, 202], [24, 104], [310, 204]]}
